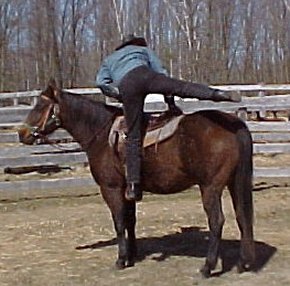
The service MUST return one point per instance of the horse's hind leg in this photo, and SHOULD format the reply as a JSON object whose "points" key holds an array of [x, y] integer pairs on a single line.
{"points": [[211, 198]]}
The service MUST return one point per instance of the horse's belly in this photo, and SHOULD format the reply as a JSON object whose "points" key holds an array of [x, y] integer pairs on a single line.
{"points": [[169, 181]]}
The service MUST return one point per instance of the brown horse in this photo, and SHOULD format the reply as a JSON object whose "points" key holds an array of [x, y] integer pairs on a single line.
{"points": [[209, 148]]}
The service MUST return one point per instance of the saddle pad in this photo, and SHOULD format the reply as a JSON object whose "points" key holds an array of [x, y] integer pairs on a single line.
{"points": [[117, 133]]}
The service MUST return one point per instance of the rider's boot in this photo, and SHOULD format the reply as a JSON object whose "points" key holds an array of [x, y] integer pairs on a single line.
{"points": [[133, 162], [220, 95], [203, 92]]}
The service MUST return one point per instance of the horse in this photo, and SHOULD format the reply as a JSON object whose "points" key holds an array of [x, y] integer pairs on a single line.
{"points": [[211, 149]]}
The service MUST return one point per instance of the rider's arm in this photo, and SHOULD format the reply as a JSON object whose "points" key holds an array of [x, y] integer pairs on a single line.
{"points": [[104, 81], [104, 75]]}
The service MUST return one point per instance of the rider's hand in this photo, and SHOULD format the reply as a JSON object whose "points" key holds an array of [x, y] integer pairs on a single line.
{"points": [[109, 90]]}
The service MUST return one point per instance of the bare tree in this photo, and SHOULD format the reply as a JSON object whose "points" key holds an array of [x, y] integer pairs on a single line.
{"points": [[52, 20], [201, 40]]}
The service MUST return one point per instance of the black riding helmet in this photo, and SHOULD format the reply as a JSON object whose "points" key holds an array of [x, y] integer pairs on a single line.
{"points": [[131, 39]]}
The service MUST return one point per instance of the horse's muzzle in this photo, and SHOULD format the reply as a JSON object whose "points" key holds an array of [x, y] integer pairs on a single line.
{"points": [[26, 137]]}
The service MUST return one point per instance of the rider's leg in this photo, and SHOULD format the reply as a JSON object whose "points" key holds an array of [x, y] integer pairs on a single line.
{"points": [[133, 110], [173, 108], [160, 83], [202, 92]]}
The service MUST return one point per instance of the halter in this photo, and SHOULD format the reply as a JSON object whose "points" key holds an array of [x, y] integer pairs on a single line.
{"points": [[49, 119]]}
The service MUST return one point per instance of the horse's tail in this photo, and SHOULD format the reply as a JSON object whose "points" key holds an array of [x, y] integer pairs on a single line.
{"points": [[241, 191], [244, 172]]}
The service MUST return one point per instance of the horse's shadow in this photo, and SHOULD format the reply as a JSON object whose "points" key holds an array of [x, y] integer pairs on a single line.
{"points": [[191, 242]]}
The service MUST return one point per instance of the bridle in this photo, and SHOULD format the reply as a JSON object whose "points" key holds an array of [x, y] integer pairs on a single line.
{"points": [[50, 118]]}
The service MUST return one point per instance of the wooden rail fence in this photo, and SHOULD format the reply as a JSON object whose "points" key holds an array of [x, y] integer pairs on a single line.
{"points": [[270, 137]]}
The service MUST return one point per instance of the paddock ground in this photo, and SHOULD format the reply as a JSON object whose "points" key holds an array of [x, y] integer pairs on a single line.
{"points": [[47, 239]]}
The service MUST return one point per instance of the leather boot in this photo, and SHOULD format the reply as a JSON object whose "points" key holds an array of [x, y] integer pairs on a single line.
{"points": [[203, 92], [220, 95], [133, 163]]}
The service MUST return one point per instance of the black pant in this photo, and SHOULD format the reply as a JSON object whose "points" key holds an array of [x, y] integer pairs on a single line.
{"points": [[134, 87]]}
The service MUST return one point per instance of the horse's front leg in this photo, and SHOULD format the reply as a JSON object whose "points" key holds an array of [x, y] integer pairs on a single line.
{"points": [[126, 220], [120, 229], [114, 198], [211, 198], [130, 226], [124, 217]]}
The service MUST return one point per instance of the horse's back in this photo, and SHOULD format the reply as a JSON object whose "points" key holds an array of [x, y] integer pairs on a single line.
{"points": [[213, 136], [211, 129], [217, 120], [204, 142]]}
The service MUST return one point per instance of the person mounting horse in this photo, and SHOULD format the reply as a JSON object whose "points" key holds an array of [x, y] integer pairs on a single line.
{"points": [[132, 72]]}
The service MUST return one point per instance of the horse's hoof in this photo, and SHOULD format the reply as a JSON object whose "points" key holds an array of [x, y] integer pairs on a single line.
{"points": [[130, 263], [243, 267], [205, 272], [120, 264]]}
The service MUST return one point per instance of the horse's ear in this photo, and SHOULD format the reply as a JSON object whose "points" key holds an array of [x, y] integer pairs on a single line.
{"points": [[52, 83], [52, 90]]}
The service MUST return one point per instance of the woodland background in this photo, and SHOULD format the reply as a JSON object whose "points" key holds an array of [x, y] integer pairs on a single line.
{"points": [[209, 41]]}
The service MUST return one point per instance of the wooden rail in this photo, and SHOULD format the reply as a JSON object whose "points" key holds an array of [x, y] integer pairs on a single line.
{"points": [[269, 137], [13, 116]]}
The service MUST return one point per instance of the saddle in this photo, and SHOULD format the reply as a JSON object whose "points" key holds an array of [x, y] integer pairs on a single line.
{"points": [[158, 129]]}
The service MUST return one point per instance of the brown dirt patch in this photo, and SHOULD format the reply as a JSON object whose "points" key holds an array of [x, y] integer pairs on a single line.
{"points": [[66, 237], [39, 240]]}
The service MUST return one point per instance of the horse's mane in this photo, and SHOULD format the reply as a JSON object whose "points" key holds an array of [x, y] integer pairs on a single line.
{"points": [[93, 110]]}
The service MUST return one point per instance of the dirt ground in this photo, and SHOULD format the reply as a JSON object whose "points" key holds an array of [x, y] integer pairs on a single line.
{"points": [[69, 240]]}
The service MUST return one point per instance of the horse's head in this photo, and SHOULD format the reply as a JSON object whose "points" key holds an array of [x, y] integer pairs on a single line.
{"points": [[43, 118]]}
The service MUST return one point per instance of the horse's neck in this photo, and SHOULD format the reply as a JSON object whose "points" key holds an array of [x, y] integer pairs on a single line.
{"points": [[83, 125]]}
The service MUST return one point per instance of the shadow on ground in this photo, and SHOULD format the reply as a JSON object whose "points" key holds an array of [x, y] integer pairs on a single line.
{"points": [[191, 242]]}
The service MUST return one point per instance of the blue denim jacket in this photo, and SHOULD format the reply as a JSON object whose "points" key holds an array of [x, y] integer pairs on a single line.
{"points": [[120, 62]]}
